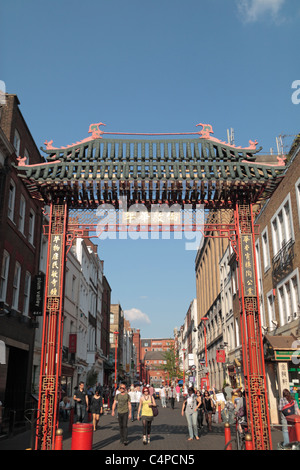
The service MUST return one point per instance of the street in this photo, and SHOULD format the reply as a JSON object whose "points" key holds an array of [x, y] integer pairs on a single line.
{"points": [[169, 433]]}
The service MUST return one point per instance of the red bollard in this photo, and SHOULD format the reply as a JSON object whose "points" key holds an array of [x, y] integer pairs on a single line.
{"points": [[82, 436], [58, 444], [248, 442], [227, 435], [294, 429]]}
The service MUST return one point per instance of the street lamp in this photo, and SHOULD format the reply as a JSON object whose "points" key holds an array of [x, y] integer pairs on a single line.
{"points": [[183, 385], [116, 349], [204, 319]]}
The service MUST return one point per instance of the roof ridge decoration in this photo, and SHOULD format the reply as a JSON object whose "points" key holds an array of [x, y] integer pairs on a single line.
{"points": [[232, 152]]}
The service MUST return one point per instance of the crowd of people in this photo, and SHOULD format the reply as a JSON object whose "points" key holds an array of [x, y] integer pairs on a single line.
{"points": [[138, 402]]}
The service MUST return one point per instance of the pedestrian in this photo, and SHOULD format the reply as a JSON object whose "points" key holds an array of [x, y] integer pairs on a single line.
{"points": [[138, 393], [133, 400], [162, 396], [172, 396], [208, 406], [81, 402], [64, 408], [200, 411], [190, 409], [145, 412], [287, 406], [122, 400], [90, 393], [96, 408], [151, 390], [177, 392]]}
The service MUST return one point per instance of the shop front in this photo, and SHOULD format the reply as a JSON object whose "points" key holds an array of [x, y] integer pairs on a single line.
{"points": [[282, 363]]}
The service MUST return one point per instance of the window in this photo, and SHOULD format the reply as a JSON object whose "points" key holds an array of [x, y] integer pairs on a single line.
{"points": [[27, 294], [265, 249], [17, 142], [282, 225], [288, 298], [11, 200], [31, 227], [22, 214], [271, 309], [73, 285], [16, 286], [4, 276], [297, 188]]}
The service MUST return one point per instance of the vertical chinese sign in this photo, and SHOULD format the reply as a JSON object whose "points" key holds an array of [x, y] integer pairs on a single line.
{"points": [[248, 266], [52, 328]]}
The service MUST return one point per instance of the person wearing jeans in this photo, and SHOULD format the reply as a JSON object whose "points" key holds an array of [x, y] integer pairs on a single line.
{"points": [[190, 408], [162, 395], [81, 401], [284, 401], [122, 399]]}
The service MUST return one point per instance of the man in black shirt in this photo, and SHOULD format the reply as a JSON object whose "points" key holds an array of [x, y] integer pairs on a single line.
{"points": [[81, 402]]}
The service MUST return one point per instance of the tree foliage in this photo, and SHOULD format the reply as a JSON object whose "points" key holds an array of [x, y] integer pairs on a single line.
{"points": [[172, 363]]}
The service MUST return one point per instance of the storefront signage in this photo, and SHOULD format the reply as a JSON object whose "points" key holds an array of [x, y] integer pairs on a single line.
{"points": [[37, 295], [220, 355]]}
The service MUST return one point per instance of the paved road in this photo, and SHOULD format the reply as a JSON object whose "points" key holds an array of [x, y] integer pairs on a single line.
{"points": [[169, 433]]}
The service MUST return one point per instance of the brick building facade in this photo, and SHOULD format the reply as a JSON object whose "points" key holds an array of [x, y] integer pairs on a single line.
{"points": [[20, 227], [278, 262]]}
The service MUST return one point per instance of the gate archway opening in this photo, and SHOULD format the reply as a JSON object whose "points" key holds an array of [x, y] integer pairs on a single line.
{"points": [[112, 175]]}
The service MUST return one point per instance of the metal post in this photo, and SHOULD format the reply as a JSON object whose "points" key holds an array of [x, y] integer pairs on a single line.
{"points": [[116, 349], [204, 319]]}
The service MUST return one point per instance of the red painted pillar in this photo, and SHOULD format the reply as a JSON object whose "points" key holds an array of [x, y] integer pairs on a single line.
{"points": [[251, 333], [51, 354]]}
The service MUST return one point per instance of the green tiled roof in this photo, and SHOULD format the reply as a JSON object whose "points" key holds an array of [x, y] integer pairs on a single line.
{"points": [[101, 170]]}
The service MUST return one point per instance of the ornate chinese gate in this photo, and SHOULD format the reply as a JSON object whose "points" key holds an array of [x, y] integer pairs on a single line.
{"points": [[183, 172]]}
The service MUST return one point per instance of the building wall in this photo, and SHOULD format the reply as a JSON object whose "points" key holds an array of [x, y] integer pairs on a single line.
{"points": [[19, 246], [209, 305], [279, 278]]}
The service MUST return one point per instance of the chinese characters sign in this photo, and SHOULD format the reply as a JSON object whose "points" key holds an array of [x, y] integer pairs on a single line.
{"points": [[55, 262], [248, 266], [221, 355]]}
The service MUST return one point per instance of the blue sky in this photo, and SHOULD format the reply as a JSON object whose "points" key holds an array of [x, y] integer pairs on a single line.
{"points": [[159, 66]]}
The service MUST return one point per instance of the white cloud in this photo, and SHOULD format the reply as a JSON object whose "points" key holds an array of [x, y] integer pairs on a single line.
{"points": [[136, 315], [253, 10]]}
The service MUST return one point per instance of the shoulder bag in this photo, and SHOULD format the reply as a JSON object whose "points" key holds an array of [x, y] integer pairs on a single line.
{"points": [[289, 409]]}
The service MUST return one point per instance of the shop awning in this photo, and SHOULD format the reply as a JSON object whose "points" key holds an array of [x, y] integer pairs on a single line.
{"points": [[279, 347]]}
